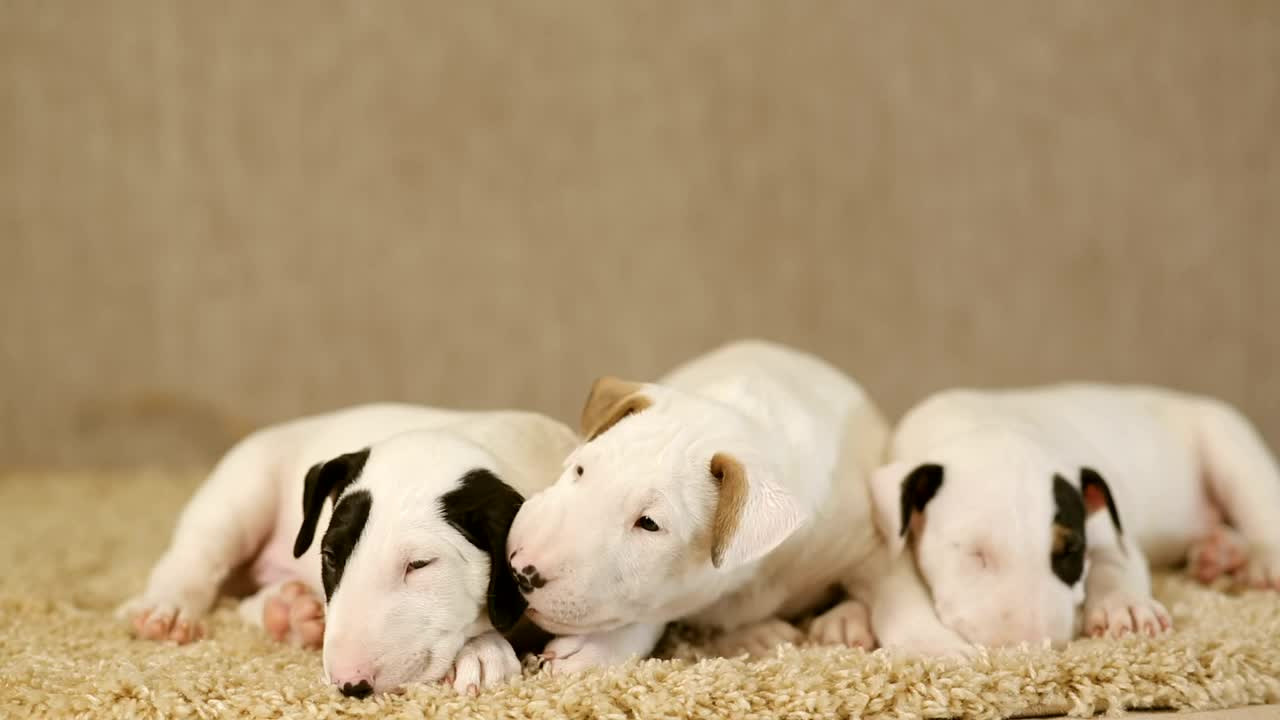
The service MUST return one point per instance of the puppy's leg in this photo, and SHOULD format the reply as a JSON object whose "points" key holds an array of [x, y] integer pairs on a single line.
{"points": [[902, 613], [222, 526], [1221, 552], [572, 653], [848, 623], [289, 611], [1245, 481], [485, 660], [757, 639], [1118, 597]]}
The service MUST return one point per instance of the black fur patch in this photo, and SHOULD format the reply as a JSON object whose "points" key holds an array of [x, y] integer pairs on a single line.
{"points": [[1067, 556], [918, 489], [345, 528], [482, 509], [325, 480]]}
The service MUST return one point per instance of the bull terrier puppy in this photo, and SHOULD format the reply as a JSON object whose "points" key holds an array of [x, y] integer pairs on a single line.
{"points": [[413, 505], [729, 494], [1049, 498]]}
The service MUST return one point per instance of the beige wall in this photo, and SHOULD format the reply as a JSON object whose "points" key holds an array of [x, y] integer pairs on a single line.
{"points": [[256, 210]]}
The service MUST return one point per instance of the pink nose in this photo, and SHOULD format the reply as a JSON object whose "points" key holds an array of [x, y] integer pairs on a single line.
{"points": [[356, 682]]}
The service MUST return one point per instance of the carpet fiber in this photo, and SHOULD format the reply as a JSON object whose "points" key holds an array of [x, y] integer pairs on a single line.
{"points": [[74, 546]]}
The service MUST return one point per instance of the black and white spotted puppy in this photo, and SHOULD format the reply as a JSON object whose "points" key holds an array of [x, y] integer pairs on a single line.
{"points": [[1056, 501], [413, 505]]}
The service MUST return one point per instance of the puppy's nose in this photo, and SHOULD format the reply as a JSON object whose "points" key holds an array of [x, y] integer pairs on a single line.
{"points": [[358, 690], [526, 576], [354, 680]]}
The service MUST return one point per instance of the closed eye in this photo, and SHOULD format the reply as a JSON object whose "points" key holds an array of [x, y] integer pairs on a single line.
{"points": [[982, 558], [417, 565]]}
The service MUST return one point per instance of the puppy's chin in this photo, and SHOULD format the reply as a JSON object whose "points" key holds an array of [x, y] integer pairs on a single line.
{"points": [[430, 666], [558, 627], [400, 678]]}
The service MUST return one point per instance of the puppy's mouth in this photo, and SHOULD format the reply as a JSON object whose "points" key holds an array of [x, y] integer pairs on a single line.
{"points": [[424, 670], [563, 628]]}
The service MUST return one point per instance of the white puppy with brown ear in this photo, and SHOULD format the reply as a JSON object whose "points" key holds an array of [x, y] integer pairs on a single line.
{"points": [[729, 494], [413, 505], [1049, 498]]}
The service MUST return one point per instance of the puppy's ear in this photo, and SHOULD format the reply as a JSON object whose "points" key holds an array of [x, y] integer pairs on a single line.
{"points": [[753, 514], [899, 492], [1097, 496], [610, 400], [325, 480], [482, 508]]}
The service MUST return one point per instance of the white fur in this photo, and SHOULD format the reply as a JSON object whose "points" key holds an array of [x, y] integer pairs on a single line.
{"points": [[1168, 458], [807, 437], [382, 622]]}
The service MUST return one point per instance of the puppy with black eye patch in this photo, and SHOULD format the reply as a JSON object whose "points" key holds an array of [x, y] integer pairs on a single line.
{"points": [[1054, 501], [408, 581]]}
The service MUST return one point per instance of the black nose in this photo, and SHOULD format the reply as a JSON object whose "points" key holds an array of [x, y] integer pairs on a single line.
{"points": [[360, 690], [528, 578]]}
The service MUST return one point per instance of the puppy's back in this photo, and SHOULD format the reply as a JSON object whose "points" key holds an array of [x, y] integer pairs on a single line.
{"points": [[531, 447]]}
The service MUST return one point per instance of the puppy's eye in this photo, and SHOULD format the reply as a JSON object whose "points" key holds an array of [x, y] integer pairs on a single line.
{"points": [[417, 565], [647, 524], [578, 469]]}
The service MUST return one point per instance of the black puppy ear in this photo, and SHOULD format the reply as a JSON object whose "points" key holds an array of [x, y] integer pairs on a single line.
{"points": [[325, 480], [482, 508], [1097, 495], [918, 488]]}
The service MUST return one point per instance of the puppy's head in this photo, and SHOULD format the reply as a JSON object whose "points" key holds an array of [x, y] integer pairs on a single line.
{"points": [[668, 494], [999, 536], [412, 560]]}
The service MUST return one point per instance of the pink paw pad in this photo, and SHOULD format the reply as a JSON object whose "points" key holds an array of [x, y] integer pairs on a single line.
{"points": [[1218, 554], [295, 615], [162, 624]]}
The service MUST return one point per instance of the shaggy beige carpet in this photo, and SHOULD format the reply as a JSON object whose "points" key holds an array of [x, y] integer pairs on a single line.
{"points": [[74, 546]]}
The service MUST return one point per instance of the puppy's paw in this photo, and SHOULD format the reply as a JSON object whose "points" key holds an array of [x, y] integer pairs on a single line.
{"points": [[847, 624], [758, 639], [1119, 614], [569, 654], [294, 614], [1223, 551], [483, 662], [1261, 568], [164, 616]]}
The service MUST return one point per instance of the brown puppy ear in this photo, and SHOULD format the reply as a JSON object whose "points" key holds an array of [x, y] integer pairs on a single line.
{"points": [[731, 480], [753, 514], [611, 399]]}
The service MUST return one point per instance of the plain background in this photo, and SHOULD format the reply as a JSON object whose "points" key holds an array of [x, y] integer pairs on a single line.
{"points": [[214, 215]]}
